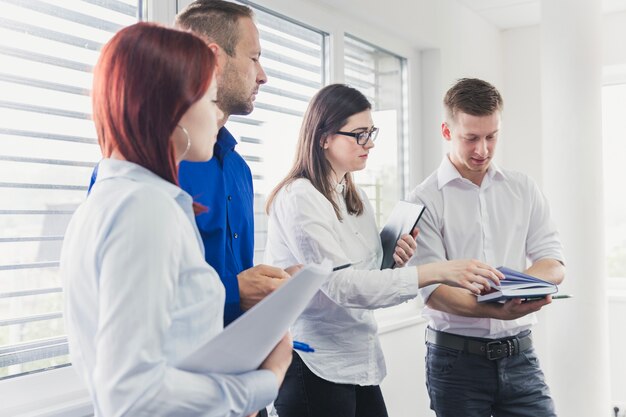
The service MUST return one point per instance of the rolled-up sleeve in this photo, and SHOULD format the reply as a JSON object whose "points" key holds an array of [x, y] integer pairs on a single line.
{"points": [[543, 240]]}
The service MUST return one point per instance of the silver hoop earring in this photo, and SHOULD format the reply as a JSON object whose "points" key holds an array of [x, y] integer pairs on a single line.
{"points": [[188, 141]]}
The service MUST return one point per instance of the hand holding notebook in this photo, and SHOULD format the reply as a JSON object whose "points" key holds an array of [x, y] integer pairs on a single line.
{"points": [[518, 285]]}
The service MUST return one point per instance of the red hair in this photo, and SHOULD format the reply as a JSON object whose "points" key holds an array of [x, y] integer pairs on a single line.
{"points": [[145, 80]]}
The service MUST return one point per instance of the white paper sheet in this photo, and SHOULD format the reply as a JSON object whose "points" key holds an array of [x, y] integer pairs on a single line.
{"points": [[246, 342]]}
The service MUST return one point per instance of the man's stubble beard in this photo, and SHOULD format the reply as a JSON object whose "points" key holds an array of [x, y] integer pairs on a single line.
{"points": [[232, 100]]}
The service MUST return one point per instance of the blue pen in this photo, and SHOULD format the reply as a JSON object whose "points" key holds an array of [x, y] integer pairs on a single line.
{"points": [[302, 346]]}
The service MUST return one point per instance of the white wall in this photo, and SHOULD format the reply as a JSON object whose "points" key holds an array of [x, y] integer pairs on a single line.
{"points": [[465, 45], [614, 50], [522, 133], [521, 128], [404, 388]]}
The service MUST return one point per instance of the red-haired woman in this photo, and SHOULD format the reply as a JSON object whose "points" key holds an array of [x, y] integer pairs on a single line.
{"points": [[139, 294]]}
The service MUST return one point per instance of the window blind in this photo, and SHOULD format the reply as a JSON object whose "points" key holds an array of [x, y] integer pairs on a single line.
{"points": [[294, 58], [48, 148], [381, 77]]}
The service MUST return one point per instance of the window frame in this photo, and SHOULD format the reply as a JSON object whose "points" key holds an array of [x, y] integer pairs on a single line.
{"points": [[614, 75]]}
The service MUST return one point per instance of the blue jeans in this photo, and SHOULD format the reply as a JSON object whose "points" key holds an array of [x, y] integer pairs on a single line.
{"points": [[463, 384], [304, 394]]}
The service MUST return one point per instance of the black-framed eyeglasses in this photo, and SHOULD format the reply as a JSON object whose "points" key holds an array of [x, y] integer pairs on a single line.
{"points": [[362, 137]]}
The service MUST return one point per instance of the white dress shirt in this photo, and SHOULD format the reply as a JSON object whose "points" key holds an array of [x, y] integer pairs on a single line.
{"points": [[139, 297], [504, 222], [339, 322]]}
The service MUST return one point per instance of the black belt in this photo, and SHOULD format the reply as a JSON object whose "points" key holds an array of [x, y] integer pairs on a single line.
{"points": [[491, 349]]}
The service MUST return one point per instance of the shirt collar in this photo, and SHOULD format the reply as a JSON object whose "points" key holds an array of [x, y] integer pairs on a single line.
{"points": [[115, 168], [447, 173], [224, 144]]}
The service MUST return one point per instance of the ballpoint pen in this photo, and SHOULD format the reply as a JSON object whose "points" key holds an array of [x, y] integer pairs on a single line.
{"points": [[302, 346], [340, 267]]}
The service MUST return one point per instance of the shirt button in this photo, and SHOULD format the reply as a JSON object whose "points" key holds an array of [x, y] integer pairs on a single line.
{"points": [[230, 197], [235, 235]]}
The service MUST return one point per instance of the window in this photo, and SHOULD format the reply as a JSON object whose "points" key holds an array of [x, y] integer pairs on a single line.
{"points": [[380, 75], [293, 56], [47, 150], [614, 124]]}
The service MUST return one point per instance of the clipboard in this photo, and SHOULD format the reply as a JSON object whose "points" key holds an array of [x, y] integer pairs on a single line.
{"points": [[245, 343], [402, 220]]}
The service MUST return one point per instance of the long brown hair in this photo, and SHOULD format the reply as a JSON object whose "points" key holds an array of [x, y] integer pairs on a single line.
{"points": [[328, 111]]}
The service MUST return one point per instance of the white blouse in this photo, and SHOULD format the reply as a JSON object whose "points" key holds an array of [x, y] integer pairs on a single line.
{"points": [[139, 297], [339, 322]]}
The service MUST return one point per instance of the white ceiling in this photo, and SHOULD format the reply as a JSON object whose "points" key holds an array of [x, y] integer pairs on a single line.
{"points": [[507, 14]]}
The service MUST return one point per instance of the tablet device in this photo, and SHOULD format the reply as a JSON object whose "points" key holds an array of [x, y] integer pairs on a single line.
{"points": [[402, 220]]}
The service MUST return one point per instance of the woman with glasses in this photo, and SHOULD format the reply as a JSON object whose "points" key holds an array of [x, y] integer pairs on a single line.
{"points": [[318, 212]]}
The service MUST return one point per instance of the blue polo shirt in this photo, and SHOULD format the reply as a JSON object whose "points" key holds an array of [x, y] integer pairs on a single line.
{"points": [[224, 186]]}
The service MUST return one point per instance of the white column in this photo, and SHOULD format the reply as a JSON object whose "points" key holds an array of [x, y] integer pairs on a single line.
{"points": [[577, 361]]}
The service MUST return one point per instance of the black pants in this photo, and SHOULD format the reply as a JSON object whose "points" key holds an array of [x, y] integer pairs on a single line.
{"points": [[304, 394]]}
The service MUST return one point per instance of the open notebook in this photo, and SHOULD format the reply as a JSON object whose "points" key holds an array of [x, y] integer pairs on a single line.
{"points": [[518, 285]]}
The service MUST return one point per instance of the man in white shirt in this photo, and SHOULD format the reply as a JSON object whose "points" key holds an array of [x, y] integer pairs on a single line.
{"points": [[480, 359]]}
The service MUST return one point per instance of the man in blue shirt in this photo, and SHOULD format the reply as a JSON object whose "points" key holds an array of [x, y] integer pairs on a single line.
{"points": [[224, 184]]}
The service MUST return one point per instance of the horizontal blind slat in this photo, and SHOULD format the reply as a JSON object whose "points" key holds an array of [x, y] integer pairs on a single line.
{"points": [[30, 239], [34, 265], [284, 59], [45, 59], [47, 161], [27, 293], [292, 78], [279, 109], [48, 136], [267, 36], [44, 84], [43, 186], [44, 110], [247, 139], [285, 93], [284, 24], [50, 34], [36, 212], [66, 14], [31, 318], [245, 120], [116, 6]]}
